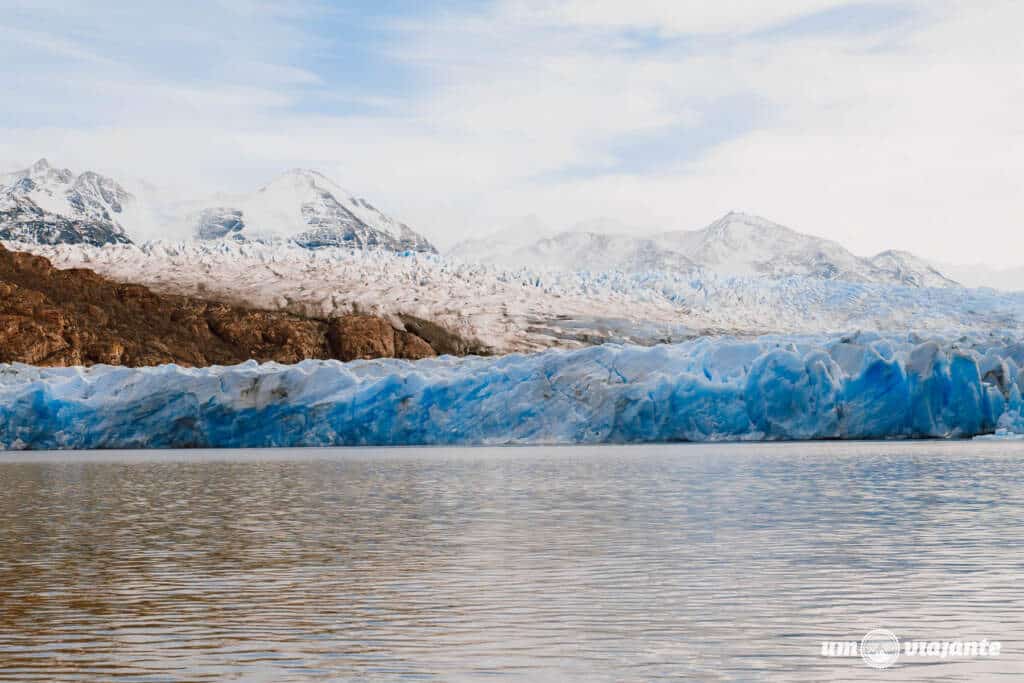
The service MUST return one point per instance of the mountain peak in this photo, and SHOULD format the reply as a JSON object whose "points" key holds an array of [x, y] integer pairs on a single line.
{"points": [[735, 230], [308, 175], [910, 269], [309, 208], [303, 172], [50, 205], [44, 172], [304, 180], [742, 217]]}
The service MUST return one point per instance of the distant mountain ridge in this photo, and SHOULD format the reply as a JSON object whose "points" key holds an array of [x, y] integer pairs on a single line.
{"points": [[911, 269], [589, 251], [736, 244], [510, 236], [44, 204], [308, 208], [49, 205]]}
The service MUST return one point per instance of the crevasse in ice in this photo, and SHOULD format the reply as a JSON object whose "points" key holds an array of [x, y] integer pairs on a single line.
{"points": [[710, 389]]}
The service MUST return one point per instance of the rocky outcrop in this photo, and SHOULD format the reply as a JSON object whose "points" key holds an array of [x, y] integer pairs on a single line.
{"points": [[441, 340], [366, 336], [76, 317]]}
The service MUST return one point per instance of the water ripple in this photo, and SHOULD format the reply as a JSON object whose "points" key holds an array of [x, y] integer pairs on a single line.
{"points": [[721, 563]]}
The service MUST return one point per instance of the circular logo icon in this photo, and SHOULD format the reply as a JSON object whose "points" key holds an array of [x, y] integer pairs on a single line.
{"points": [[880, 648]]}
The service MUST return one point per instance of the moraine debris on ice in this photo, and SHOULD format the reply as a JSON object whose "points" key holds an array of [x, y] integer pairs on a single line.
{"points": [[863, 386]]}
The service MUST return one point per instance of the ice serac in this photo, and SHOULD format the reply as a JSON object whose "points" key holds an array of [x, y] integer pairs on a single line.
{"points": [[855, 387]]}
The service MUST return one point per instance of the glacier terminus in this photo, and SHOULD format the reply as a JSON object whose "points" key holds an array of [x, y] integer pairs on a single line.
{"points": [[865, 386]]}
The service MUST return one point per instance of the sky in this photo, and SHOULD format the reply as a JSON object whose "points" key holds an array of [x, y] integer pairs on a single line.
{"points": [[880, 124]]}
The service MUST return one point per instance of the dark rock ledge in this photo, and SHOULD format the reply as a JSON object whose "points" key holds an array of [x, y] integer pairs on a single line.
{"points": [[75, 317]]}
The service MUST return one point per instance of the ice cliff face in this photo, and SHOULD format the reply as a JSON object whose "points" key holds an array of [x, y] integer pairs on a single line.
{"points": [[49, 205], [857, 387]]}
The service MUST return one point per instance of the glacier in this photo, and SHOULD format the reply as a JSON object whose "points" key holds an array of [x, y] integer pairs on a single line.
{"points": [[858, 386], [531, 310]]}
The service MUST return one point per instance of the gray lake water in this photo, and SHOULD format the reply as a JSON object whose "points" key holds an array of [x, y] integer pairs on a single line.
{"points": [[688, 562]]}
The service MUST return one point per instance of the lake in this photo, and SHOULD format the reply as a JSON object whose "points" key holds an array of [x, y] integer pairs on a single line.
{"points": [[682, 562]]}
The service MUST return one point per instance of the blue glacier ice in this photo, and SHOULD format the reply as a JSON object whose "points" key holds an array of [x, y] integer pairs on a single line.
{"points": [[860, 386]]}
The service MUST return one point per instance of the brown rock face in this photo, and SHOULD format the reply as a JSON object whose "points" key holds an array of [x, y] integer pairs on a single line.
{"points": [[76, 317], [441, 340], [361, 336], [408, 345], [366, 336]]}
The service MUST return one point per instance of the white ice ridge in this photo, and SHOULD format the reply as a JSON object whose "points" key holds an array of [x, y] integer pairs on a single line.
{"points": [[858, 387], [524, 310]]}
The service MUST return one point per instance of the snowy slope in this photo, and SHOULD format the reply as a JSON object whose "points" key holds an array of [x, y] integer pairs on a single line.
{"points": [[909, 269], [307, 207], [855, 387], [53, 205], [524, 309], [50, 205], [741, 244], [506, 239], [589, 251], [736, 244]]}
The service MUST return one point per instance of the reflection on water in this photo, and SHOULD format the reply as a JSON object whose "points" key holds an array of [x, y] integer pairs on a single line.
{"points": [[684, 562]]}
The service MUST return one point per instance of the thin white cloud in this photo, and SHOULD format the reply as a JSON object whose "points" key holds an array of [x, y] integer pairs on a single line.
{"points": [[20, 39], [678, 17]]}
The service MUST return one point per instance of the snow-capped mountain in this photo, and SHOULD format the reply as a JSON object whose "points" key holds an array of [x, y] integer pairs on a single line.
{"points": [[742, 244], [909, 269], [45, 204], [596, 245], [736, 244], [308, 208], [50, 205], [590, 251], [511, 236]]}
